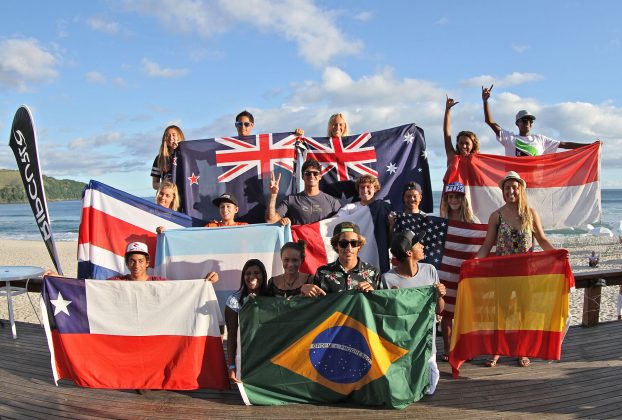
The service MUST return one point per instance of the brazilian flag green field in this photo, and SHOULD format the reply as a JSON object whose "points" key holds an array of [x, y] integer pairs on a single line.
{"points": [[363, 348]]}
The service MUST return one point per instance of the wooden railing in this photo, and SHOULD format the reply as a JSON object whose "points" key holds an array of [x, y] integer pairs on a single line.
{"points": [[591, 299]]}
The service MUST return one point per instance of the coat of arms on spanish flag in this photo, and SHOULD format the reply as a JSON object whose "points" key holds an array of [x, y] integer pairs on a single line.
{"points": [[514, 305]]}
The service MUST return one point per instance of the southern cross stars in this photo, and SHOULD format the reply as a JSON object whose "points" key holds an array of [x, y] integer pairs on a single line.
{"points": [[391, 168], [409, 137], [60, 304]]}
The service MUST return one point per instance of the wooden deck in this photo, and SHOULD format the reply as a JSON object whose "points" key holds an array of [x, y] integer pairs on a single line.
{"points": [[587, 382]]}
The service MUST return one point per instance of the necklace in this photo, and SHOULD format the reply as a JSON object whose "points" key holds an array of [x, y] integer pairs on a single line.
{"points": [[290, 284]]}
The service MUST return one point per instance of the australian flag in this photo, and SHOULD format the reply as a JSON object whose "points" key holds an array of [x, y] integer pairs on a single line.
{"points": [[243, 165]]}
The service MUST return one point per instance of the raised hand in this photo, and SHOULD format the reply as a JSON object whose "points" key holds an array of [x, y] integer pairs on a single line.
{"points": [[274, 183], [450, 102], [486, 92]]}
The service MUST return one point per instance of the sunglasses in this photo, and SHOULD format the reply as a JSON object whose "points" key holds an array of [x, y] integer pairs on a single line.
{"points": [[526, 120], [354, 243], [245, 124], [311, 173]]}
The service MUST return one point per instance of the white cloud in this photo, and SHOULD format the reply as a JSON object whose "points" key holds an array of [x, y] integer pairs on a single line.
{"points": [[442, 21], [314, 30], [95, 77], [153, 69], [24, 62], [364, 16], [102, 25], [119, 82], [512, 79], [520, 48], [100, 140]]}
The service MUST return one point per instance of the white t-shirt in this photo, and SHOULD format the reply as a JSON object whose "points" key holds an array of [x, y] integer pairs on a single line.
{"points": [[531, 145], [426, 276]]}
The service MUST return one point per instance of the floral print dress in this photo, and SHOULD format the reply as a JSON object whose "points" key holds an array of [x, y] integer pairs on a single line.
{"points": [[512, 241]]}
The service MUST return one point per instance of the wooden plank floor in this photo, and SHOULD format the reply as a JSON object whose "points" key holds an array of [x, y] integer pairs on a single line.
{"points": [[587, 382]]}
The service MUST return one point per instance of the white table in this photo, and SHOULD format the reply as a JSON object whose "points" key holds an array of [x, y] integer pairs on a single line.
{"points": [[9, 273]]}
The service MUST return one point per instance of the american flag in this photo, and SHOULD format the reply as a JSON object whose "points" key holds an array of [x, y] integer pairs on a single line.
{"points": [[447, 244]]}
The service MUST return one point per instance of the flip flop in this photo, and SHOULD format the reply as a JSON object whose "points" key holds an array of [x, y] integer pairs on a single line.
{"points": [[491, 363], [444, 357], [524, 362]]}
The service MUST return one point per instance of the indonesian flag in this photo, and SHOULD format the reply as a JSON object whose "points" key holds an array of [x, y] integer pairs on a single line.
{"points": [[514, 305], [564, 188], [134, 334]]}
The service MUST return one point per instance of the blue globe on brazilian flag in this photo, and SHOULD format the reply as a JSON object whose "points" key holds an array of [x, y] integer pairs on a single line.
{"points": [[365, 348]]}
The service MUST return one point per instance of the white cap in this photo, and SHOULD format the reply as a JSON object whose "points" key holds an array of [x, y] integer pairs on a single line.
{"points": [[137, 247]]}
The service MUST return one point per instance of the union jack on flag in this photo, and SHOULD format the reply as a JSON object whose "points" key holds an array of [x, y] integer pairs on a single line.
{"points": [[264, 155], [335, 155], [242, 166]]}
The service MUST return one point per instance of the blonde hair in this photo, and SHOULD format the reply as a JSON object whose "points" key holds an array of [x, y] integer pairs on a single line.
{"points": [[524, 212], [164, 157], [471, 135], [466, 214], [331, 120], [168, 184]]}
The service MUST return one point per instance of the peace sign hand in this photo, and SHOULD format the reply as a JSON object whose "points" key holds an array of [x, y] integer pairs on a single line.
{"points": [[274, 184]]}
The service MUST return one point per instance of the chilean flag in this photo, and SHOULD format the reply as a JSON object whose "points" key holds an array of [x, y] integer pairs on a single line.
{"points": [[564, 188], [134, 335], [110, 220]]}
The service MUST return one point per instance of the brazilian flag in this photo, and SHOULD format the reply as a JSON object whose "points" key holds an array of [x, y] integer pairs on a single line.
{"points": [[365, 348]]}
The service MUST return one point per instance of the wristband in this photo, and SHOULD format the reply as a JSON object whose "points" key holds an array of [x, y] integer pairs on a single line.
{"points": [[231, 367]]}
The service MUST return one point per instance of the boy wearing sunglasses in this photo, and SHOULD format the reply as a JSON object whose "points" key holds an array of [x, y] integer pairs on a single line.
{"points": [[524, 143], [309, 206], [348, 271], [244, 123]]}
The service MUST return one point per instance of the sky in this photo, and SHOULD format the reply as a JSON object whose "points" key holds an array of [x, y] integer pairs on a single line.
{"points": [[104, 78]]}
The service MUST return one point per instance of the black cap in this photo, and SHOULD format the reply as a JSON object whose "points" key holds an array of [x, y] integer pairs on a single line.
{"points": [[403, 242], [346, 227], [225, 198]]}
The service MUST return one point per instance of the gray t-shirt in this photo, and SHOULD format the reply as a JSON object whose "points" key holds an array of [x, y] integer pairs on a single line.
{"points": [[426, 276], [303, 209]]}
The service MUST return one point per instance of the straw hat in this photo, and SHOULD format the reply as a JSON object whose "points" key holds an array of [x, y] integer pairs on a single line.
{"points": [[512, 175]]}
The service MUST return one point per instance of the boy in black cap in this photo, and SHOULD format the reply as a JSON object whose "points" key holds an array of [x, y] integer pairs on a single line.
{"points": [[228, 207]]}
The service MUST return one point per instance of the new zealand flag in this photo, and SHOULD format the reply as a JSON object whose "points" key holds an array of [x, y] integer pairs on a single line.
{"points": [[242, 166]]}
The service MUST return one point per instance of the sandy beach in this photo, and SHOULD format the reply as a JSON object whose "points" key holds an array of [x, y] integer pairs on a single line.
{"points": [[13, 252]]}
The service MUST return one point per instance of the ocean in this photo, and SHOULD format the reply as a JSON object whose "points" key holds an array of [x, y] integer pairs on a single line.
{"points": [[18, 222]]}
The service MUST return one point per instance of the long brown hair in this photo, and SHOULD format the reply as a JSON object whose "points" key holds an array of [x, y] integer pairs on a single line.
{"points": [[164, 157], [472, 136]]}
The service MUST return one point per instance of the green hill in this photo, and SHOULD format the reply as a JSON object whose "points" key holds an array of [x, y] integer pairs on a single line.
{"points": [[12, 190]]}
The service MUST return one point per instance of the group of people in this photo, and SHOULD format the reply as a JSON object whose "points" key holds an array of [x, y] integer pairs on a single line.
{"points": [[511, 229]]}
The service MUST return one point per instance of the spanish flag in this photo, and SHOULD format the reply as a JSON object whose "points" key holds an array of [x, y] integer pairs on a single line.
{"points": [[514, 305], [364, 348]]}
